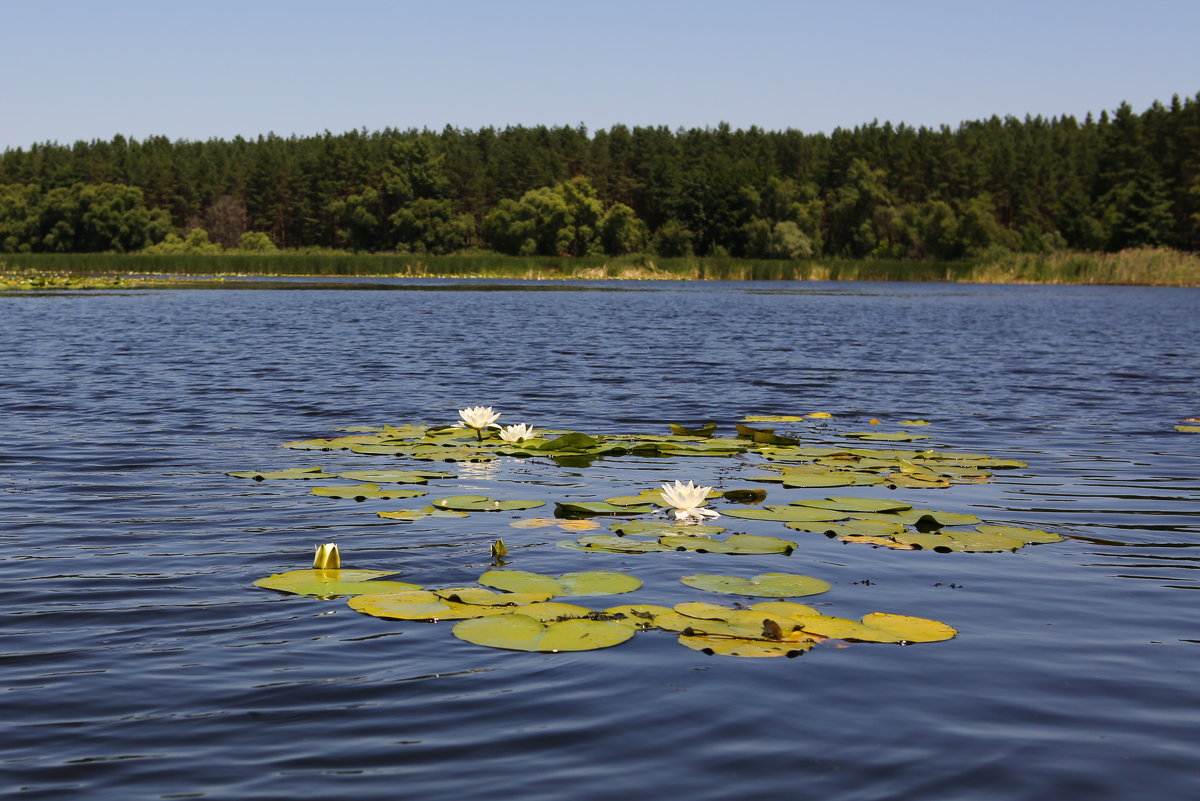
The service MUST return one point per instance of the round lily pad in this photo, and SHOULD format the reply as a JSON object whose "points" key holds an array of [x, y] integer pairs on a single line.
{"points": [[1026, 535], [420, 605], [844, 504], [329, 583], [787, 514], [294, 473], [733, 544], [734, 646], [482, 503], [615, 544], [361, 492], [765, 585], [478, 596], [395, 476], [597, 582], [596, 508], [523, 633]]}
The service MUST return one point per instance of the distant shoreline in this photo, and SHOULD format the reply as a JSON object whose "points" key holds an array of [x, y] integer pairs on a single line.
{"points": [[1137, 267]]}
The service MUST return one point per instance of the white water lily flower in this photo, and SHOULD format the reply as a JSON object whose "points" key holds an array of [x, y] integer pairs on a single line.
{"points": [[685, 500], [516, 433], [479, 417], [327, 557]]}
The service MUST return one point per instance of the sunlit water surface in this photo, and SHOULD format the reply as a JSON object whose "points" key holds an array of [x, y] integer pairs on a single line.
{"points": [[139, 662]]}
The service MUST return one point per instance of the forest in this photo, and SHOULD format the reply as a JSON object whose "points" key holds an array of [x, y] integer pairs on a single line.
{"points": [[1033, 185]]}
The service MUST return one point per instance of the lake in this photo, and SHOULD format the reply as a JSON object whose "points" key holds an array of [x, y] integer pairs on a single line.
{"points": [[140, 662]]}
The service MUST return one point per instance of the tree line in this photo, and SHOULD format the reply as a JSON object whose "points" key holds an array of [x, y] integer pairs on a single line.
{"points": [[1035, 185]]}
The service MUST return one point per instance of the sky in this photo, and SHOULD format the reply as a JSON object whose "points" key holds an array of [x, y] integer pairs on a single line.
{"points": [[216, 69]]}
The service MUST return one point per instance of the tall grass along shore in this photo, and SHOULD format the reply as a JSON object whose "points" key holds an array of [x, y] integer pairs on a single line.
{"points": [[1143, 266]]}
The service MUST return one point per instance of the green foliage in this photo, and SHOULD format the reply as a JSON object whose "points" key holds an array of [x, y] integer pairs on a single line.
{"points": [[879, 191], [196, 242]]}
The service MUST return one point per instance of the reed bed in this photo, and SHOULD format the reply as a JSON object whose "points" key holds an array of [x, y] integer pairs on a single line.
{"points": [[1147, 266]]}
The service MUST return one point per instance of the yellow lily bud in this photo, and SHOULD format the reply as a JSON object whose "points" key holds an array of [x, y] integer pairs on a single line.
{"points": [[327, 557]]}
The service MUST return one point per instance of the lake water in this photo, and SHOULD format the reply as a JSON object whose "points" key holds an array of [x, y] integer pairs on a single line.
{"points": [[139, 662]]}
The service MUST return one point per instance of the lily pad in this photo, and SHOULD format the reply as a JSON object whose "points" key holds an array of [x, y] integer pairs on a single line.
{"points": [[333, 582], [598, 582], [705, 430], [1026, 535], [418, 514], [787, 514], [772, 418], [879, 627], [615, 544], [661, 527], [483, 503], [856, 528], [477, 596], [910, 629], [885, 436], [735, 646], [524, 633], [597, 508], [395, 476], [294, 473], [843, 504], [764, 585], [733, 544], [420, 605], [360, 492], [643, 615]]}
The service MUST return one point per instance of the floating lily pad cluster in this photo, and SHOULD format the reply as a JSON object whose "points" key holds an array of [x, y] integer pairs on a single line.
{"points": [[517, 610], [514, 610]]}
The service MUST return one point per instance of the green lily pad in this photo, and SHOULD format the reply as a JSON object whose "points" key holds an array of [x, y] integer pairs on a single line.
{"points": [[886, 436], [855, 528], [333, 582], [418, 514], [1188, 429], [640, 615], [787, 514], [705, 430], [745, 496], [572, 441], [597, 508], [395, 476], [361, 492], [842, 504], [483, 503], [735, 646], [548, 611], [661, 528], [477, 596], [879, 627], [420, 605], [912, 517], [1026, 535], [910, 629], [971, 541], [598, 582], [331, 444], [733, 544], [294, 473], [773, 418], [615, 544], [764, 585], [524, 633]]}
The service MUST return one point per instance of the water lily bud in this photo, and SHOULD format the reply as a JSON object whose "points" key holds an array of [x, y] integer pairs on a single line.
{"points": [[327, 557]]}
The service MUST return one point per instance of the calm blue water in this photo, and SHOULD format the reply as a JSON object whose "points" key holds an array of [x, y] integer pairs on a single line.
{"points": [[138, 662]]}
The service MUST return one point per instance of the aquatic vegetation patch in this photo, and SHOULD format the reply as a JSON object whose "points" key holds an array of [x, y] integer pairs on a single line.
{"points": [[519, 610]]}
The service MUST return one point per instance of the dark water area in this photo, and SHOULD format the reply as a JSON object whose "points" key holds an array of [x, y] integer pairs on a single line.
{"points": [[137, 661]]}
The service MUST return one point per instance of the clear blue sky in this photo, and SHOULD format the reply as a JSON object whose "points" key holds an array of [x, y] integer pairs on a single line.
{"points": [[75, 69]]}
